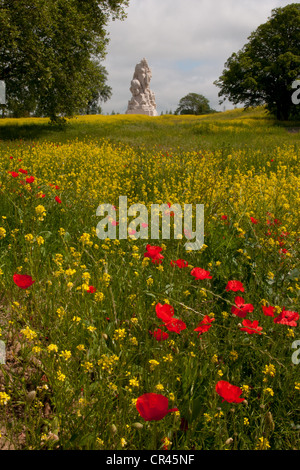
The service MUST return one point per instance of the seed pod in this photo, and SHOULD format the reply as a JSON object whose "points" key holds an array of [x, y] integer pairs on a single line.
{"points": [[113, 428]]}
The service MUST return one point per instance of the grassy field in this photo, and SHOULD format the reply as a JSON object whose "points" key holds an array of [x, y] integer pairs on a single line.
{"points": [[106, 348], [237, 128]]}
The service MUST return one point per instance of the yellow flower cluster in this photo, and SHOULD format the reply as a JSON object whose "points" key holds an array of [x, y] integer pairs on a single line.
{"points": [[4, 398], [108, 363], [28, 333]]}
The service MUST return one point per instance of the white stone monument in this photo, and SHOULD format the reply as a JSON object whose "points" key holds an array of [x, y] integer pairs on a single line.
{"points": [[143, 99]]}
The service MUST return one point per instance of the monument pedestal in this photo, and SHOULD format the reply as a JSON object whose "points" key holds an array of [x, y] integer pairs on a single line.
{"points": [[147, 112]]}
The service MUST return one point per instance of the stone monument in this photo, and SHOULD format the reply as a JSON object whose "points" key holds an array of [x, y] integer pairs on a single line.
{"points": [[143, 99]]}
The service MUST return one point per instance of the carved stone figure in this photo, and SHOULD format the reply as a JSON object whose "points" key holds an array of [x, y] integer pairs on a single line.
{"points": [[143, 99]]}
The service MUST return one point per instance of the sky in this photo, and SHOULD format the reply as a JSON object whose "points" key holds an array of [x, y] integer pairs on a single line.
{"points": [[186, 44]]}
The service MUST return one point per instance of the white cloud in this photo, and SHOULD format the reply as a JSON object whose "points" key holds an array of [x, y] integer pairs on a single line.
{"points": [[186, 44]]}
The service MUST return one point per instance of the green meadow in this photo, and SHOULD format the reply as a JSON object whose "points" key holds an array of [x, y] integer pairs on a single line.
{"points": [[138, 344]]}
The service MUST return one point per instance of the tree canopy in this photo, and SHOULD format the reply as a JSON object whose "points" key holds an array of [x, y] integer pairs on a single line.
{"points": [[193, 103], [263, 71], [50, 53]]}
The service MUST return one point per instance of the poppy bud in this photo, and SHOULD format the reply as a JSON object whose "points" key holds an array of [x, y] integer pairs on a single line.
{"points": [[104, 336], [138, 425], [113, 428], [269, 421], [229, 441], [30, 397]]}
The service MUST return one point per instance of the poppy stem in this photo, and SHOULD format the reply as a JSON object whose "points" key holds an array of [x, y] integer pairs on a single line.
{"points": [[154, 436], [219, 297], [112, 295]]}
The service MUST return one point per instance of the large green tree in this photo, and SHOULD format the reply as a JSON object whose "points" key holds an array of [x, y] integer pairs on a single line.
{"points": [[193, 103], [50, 53], [263, 71]]}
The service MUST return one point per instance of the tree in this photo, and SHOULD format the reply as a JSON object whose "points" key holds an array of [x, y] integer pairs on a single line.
{"points": [[50, 53], [263, 71], [193, 104]]}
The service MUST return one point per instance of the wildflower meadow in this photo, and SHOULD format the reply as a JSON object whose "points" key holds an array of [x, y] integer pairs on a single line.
{"points": [[140, 344]]}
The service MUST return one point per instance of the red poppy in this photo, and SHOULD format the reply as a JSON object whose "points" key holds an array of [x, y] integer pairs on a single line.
{"points": [[159, 335], [200, 273], [25, 172], [275, 222], [153, 406], [181, 263], [235, 286], [269, 311], [154, 252], [91, 289], [57, 200], [187, 233], [30, 179], [230, 393], [14, 174], [284, 234], [23, 280], [164, 312], [168, 212], [287, 317], [251, 327], [253, 220], [204, 325], [241, 308], [176, 325], [224, 217]]}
